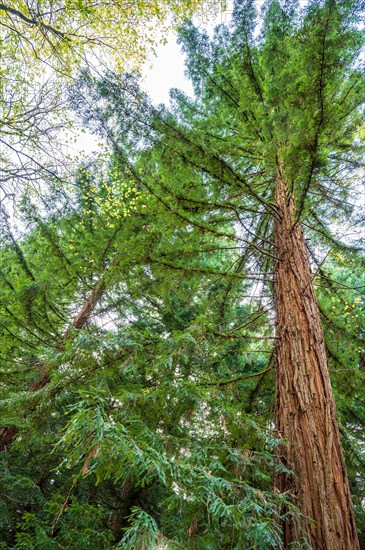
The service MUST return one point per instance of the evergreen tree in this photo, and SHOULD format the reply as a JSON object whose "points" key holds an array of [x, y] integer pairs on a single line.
{"points": [[267, 157]]}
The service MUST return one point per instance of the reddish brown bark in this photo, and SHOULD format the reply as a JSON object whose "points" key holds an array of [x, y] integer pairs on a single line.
{"points": [[119, 520], [305, 408], [8, 433]]}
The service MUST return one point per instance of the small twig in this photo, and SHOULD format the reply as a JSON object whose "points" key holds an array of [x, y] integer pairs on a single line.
{"points": [[232, 380]]}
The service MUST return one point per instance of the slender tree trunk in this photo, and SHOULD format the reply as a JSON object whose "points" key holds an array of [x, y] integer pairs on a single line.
{"points": [[305, 408], [8, 433], [126, 498]]}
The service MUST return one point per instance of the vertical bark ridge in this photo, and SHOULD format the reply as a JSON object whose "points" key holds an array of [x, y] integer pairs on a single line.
{"points": [[305, 409]]}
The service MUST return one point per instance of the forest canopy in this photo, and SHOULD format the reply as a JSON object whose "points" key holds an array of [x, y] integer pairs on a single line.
{"points": [[182, 316]]}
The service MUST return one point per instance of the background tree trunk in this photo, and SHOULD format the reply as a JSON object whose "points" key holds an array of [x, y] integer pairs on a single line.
{"points": [[8, 433], [305, 409], [127, 497]]}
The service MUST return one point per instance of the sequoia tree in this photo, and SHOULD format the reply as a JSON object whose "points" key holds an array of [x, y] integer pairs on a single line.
{"points": [[267, 156]]}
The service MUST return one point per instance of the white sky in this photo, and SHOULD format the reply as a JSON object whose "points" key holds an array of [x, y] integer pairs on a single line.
{"points": [[166, 70]]}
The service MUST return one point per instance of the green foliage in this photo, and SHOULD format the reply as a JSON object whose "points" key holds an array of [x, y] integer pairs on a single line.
{"points": [[43, 45], [143, 532], [137, 308], [59, 34], [63, 526]]}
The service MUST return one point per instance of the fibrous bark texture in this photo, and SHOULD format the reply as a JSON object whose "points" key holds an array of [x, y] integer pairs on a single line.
{"points": [[305, 408]]}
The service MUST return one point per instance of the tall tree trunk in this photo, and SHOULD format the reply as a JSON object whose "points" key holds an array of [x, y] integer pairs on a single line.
{"points": [[305, 409]]}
